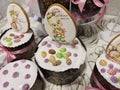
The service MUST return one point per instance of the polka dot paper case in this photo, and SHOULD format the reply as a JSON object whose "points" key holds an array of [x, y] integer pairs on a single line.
{"points": [[60, 55], [80, 9], [18, 41], [106, 73], [20, 75]]}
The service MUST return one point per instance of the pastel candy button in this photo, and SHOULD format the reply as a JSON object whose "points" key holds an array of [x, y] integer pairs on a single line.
{"points": [[5, 84], [63, 49], [22, 35], [27, 66], [46, 60], [59, 55], [16, 37], [8, 39], [110, 65], [26, 87], [5, 72], [27, 76], [65, 56], [15, 65], [17, 40], [73, 46], [68, 53], [75, 54], [15, 74], [68, 61], [114, 79], [52, 51], [58, 45], [103, 62], [12, 34], [103, 70], [43, 54], [44, 43], [48, 45], [10, 43]]}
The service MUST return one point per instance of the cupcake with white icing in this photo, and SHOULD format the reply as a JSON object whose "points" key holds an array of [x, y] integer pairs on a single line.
{"points": [[106, 73], [18, 40], [60, 55], [20, 75]]}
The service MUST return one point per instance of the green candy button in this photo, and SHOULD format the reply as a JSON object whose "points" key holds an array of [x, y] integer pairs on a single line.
{"points": [[8, 39], [65, 56], [59, 55], [62, 50], [10, 44]]}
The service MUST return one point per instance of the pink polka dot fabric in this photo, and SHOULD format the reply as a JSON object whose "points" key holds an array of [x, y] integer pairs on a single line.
{"points": [[19, 75]]}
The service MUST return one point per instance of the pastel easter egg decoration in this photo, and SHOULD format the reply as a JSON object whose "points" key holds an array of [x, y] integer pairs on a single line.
{"points": [[17, 18], [59, 24]]}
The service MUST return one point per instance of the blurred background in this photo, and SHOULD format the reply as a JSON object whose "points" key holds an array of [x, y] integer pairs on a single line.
{"points": [[32, 7]]}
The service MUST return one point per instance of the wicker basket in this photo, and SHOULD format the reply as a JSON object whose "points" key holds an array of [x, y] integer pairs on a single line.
{"points": [[112, 50]]}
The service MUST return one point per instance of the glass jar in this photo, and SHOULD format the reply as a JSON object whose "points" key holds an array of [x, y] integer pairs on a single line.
{"points": [[89, 9]]}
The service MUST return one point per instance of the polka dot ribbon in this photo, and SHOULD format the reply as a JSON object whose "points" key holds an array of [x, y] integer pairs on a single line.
{"points": [[10, 56], [100, 87], [81, 3]]}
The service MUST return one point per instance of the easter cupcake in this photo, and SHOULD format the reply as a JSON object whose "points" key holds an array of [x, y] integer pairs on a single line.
{"points": [[60, 55], [20, 75], [19, 39], [106, 73]]}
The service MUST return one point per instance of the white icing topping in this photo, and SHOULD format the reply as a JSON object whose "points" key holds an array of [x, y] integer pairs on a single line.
{"points": [[18, 75], [16, 40], [109, 70], [77, 57], [3, 59]]}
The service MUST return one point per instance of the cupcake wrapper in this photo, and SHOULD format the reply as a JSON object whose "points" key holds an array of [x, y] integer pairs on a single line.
{"points": [[62, 78], [101, 80]]}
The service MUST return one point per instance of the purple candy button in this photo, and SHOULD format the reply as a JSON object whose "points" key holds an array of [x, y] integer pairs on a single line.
{"points": [[75, 54], [44, 43], [103, 70], [16, 37], [6, 84], [49, 45], [58, 45], [73, 46], [27, 76], [5, 72], [12, 89], [15, 65], [15, 74], [25, 87], [110, 65], [27, 66], [116, 69], [46, 60], [114, 79]]}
